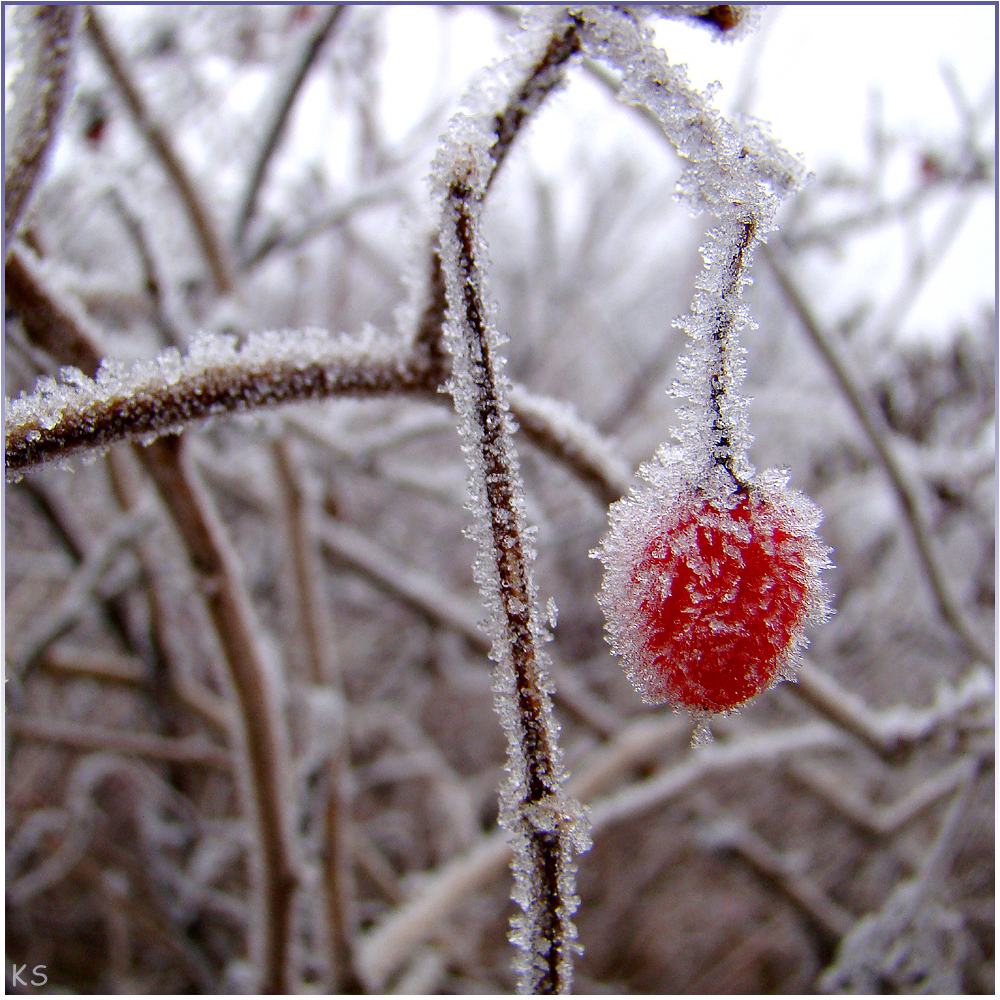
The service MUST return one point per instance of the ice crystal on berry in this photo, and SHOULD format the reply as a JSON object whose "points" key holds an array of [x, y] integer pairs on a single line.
{"points": [[707, 599]]}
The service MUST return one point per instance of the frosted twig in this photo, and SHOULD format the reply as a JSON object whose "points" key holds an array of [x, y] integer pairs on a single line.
{"points": [[282, 106], [544, 75], [48, 626], [51, 320], [156, 286], [924, 261], [159, 570], [312, 625], [424, 593], [277, 242], [759, 748], [164, 396], [217, 377], [881, 819], [382, 950], [43, 823], [887, 730], [212, 246], [908, 493], [911, 944], [179, 750], [456, 804], [557, 430], [543, 823], [43, 38], [740, 175]]}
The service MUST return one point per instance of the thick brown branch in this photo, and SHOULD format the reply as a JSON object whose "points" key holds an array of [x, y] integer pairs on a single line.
{"points": [[248, 380], [160, 398]]}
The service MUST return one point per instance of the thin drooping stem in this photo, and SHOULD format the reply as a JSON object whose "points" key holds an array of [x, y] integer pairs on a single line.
{"points": [[723, 341], [212, 245], [46, 43]]}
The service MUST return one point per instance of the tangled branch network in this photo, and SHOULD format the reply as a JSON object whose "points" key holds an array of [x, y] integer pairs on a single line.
{"points": [[712, 570]]}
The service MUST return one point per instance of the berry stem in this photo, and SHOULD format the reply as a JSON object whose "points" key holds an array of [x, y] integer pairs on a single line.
{"points": [[723, 333]]}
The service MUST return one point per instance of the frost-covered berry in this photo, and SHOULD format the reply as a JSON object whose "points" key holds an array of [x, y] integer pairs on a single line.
{"points": [[707, 599]]}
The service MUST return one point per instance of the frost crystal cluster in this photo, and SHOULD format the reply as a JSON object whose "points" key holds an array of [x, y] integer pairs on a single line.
{"points": [[712, 573]]}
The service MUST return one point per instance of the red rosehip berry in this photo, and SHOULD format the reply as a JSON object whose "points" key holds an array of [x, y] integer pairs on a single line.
{"points": [[707, 599]]}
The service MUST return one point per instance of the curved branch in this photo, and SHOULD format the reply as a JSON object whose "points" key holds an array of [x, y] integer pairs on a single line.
{"points": [[58, 422], [160, 397]]}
